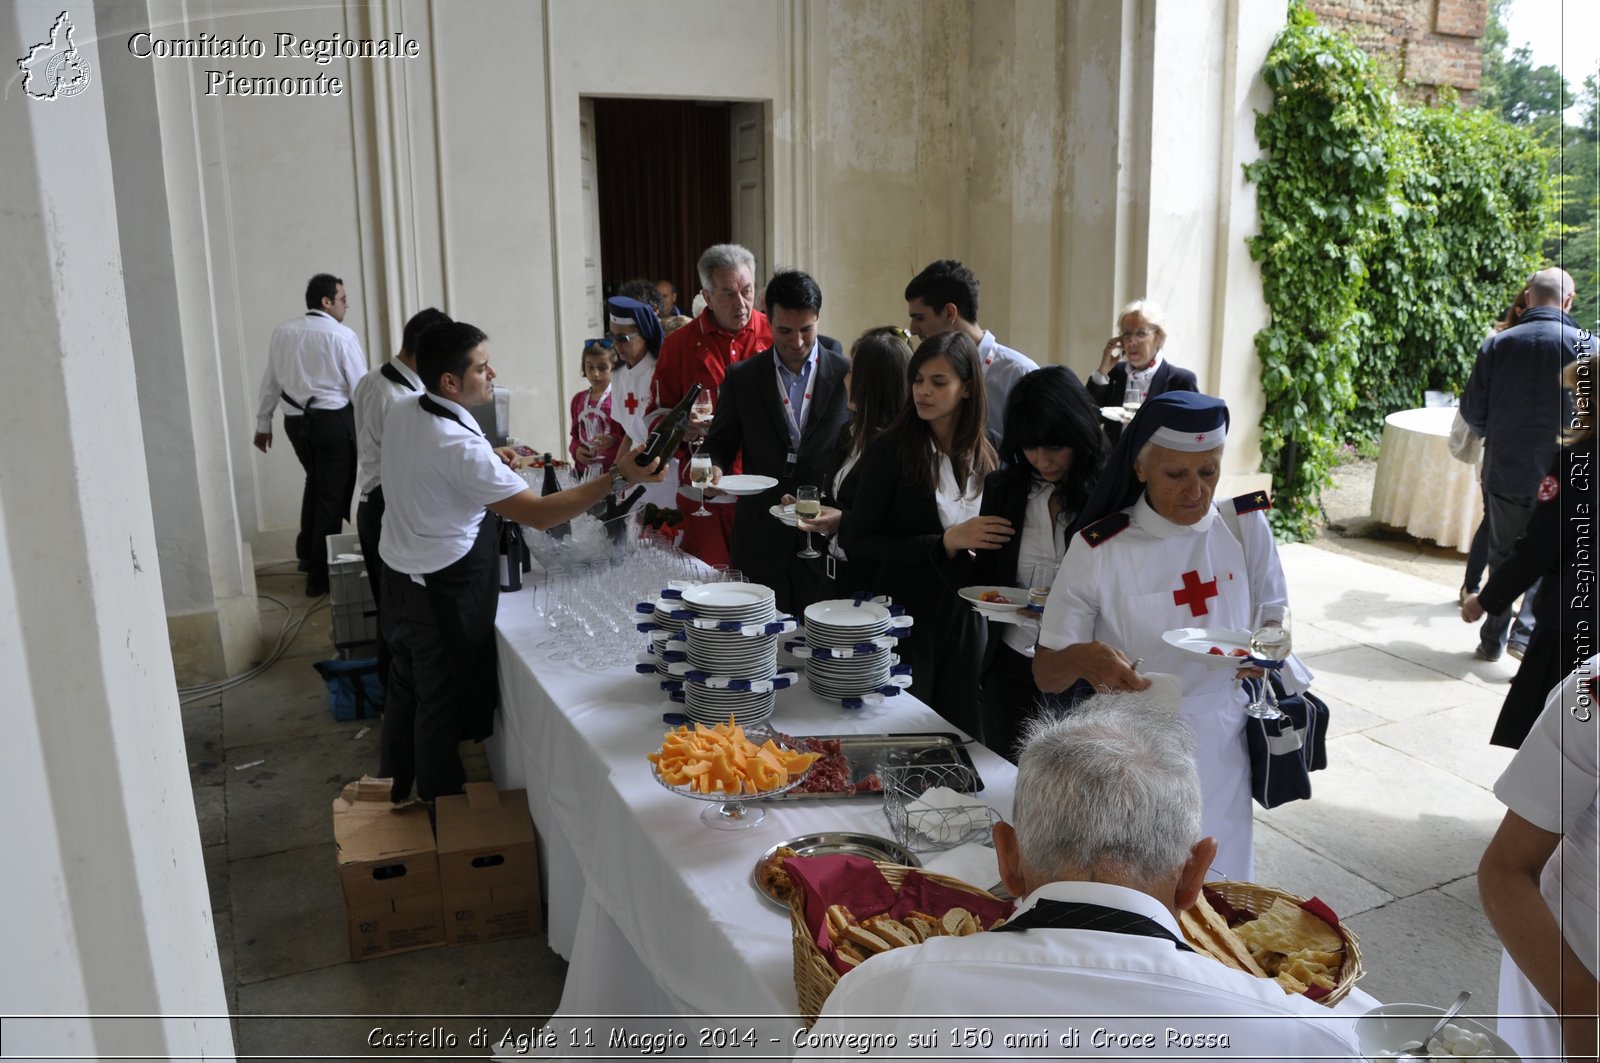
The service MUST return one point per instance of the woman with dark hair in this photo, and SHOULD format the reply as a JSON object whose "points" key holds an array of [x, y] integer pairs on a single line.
{"points": [[876, 386], [916, 518], [1053, 449]]}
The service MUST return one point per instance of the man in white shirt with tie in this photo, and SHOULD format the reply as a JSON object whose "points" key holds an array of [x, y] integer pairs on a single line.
{"points": [[1103, 849], [313, 365], [944, 298], [441, 478]]}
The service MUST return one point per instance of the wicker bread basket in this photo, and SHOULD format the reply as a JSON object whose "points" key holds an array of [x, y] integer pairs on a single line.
{"points": [[1249, 897], [814, 976]]}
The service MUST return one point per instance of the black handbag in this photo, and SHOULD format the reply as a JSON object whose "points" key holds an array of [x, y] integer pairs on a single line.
{"points": [[1285, 751]]}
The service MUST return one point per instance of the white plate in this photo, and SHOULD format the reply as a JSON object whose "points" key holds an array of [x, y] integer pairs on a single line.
{"points": [[785, 514], [1018, 596], [844, 614], [728, 596], [745, 484], [1197, 642], [1116, 413]]}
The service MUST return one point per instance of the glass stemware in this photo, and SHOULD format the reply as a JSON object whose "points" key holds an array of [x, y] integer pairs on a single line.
{"points": [[808, 506], [700, 476], [1270, 641]]}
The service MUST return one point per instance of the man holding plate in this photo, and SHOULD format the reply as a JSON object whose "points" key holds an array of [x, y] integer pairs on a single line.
{"points": [[782, 411]]}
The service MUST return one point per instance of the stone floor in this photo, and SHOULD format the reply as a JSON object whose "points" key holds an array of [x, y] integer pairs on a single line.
{"points": [[1391, 840]]}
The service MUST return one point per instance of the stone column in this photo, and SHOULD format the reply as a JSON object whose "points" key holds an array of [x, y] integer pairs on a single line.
{"points": [[207, 574], [108, 912]]}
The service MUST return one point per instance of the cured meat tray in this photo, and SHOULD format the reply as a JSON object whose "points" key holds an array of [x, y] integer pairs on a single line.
{"points": [[849, 764]]}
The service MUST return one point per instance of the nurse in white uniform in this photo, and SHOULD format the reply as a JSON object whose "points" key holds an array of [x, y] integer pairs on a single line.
{"points": [[1152, 552]]}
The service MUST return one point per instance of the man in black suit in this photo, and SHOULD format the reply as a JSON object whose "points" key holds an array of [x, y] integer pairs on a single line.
{"points": [[782, 411]]}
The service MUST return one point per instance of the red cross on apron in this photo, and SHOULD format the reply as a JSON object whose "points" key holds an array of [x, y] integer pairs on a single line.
{"points": [[632, 403], [1194, 593]]}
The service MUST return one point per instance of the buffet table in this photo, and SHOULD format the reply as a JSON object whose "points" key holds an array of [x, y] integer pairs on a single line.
{"points": [[1419, 486], [654, 910]]}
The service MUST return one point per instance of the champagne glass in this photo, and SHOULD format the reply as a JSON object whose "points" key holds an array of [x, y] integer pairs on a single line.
{"points": [[1132, 395], [1043, 577], [808, 506], [705, 405], [1269, 641], [700, 476]]}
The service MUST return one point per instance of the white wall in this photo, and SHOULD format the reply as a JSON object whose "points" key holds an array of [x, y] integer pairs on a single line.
{"points": [[107, 907]]}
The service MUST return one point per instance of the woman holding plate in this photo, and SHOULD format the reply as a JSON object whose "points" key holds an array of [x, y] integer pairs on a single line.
{"points": [[1151, 553], [916, 519], [1053, 449]]}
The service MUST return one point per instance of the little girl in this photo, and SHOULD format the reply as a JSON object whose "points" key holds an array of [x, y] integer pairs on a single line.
{"points": [[595, 436]]}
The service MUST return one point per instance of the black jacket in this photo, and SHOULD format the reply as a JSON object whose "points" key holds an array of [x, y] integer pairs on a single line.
{"points": [[750, 423], [1515, 401], [1168, 377]]}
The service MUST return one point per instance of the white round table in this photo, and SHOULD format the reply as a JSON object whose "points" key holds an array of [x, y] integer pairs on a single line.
{"points": [[1419, 486]]}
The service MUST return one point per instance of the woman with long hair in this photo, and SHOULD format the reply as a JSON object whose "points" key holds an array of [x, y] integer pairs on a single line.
{"points": [[876, 385], [916, 518], [1053, 448]]}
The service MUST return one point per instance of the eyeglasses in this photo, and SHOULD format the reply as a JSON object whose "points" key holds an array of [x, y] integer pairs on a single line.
{"points": [[1138, 333], [904, 334], [599, 341]]}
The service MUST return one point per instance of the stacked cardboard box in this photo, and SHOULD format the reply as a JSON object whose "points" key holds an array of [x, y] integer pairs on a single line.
{"points": [[389, 871], [488, 867]]}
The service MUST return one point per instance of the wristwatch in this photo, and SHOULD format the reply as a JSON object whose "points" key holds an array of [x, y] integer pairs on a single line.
{"points": [[619, 483]]}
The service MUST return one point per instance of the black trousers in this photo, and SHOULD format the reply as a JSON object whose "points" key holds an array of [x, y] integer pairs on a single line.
{"points": [[1010, 697], [369, 527], [325, 443], [1506, 517]]}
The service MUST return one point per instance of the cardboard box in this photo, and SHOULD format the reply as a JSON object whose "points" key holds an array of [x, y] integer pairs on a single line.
{"points": [[488, 866], [388, 872]]}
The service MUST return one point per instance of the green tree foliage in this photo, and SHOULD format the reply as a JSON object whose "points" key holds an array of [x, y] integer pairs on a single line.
{"points": [[1391, 237]]}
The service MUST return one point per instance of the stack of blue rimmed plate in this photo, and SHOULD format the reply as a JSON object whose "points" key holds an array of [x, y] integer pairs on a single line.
{"points": [[719, 649], [850, 647]]}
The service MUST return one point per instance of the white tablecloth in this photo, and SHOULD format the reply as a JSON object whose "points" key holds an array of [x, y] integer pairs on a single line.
{"points": [[1419, 486], [654, 910]]}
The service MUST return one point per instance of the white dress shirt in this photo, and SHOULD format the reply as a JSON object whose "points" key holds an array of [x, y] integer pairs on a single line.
{"points": [[1002, 368], [1105, 990], [313, 358], [1552, 783], [953, 504], [374, 395], [1041, 543], [438, 475]]}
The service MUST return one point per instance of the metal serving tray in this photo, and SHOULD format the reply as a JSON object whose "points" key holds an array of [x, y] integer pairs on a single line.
{"points": [[865, 752], [828, 843]]}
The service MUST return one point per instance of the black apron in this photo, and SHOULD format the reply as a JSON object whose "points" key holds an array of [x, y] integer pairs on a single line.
{"points": [[1078, 915], [464, 597]]}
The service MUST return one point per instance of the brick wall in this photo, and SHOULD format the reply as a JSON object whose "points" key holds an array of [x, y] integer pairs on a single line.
{"points": [[1426, 44]]}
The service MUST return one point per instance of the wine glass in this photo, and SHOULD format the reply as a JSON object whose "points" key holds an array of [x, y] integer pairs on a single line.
{"points": [[808, 506], [700, 476], [1269, 641], [1043, 577], [1132, 395]]}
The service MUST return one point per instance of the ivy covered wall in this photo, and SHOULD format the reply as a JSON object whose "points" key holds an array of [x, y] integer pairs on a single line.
{"points": [[1392, 235]]}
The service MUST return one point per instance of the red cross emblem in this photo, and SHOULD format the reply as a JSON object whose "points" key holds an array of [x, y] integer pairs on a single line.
{"points": [[1549, 488], [1201, 438], [632, 403], [1194, 593]]}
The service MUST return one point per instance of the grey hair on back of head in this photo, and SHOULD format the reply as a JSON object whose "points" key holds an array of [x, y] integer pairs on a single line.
{"points": [[1109, 788], [724, 256]]}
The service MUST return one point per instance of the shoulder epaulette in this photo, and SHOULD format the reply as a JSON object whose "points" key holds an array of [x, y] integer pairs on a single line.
{"points": [[1106, 528], [1250, 503]]}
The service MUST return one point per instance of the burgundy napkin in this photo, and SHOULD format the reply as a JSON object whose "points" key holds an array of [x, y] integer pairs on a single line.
{"points": [[918, 893]]}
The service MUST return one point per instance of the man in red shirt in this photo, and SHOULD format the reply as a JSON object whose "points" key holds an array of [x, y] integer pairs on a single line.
{"points": [[729, 330]]}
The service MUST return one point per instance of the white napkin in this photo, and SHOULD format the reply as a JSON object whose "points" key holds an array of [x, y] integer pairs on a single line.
{"points": [[973, 863], [943, 815], [1165, 689]]}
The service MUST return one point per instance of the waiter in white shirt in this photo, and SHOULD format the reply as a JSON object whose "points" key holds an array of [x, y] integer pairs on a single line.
{"points": [[440, 477], [1104, 849], [380, 389], [313, 365]]}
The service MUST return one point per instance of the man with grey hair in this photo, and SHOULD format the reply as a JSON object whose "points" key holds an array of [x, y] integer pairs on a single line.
{"points": [[729, 330], [1103, 848]]}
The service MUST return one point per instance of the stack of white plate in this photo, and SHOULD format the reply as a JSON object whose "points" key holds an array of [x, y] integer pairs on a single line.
{"points": [[730, 655], [858, 630]]}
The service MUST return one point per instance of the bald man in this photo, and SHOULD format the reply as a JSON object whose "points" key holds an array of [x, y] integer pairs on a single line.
{"points": [[1515, 401]]}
